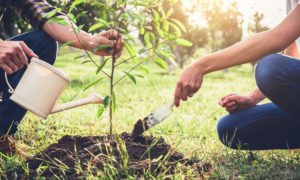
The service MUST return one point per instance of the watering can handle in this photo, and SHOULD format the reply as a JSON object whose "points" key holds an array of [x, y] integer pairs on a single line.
{"points": [[10, 88]]}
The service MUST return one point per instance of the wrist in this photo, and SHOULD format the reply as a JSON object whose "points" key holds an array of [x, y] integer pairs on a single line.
{"points": [[86, 41], [203, 65]]}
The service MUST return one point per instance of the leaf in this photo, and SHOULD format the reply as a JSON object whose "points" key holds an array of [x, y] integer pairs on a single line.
{"points": [[183, 42], [72, 17], [161, 63], [51, 13], [92, 84], [170, 12], [81, 14], [100, 47], [87, 61], [114, 104], [59, 20], [129, 49], [74, 4], [78, 29], [79, 57], [106, 101], [146, 70], [176, 29], [100, 111], [141, 51], [66, 43], [156, 15], [102, 21], [101, 66], [95, 26], [178, 23], [131, 77]]}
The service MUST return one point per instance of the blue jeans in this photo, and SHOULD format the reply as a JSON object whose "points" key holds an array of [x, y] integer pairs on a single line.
{"points": [[10, 113], [274, 125]]}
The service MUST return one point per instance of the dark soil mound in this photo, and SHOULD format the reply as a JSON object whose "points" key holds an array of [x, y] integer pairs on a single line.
{"points": [[74, 157]]}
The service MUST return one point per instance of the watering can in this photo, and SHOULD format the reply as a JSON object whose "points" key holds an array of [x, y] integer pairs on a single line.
{"points": [[40, 87]]}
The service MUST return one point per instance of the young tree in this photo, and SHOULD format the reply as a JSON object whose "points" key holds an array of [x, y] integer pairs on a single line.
{"points": [[127, 17]]}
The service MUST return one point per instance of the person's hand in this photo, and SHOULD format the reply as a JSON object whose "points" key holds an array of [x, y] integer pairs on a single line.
{"points": [[189, 83], [13, 55], [234, 102], [112, 39]]}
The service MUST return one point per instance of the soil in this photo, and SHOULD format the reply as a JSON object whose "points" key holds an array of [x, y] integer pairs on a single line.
{"points": [[138, 154], [140, 127]]}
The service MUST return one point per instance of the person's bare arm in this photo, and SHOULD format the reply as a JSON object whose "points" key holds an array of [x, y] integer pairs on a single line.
{"points": [[256, 47], [84, 40]]}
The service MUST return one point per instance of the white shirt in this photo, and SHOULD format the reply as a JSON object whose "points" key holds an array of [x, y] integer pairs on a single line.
{"points": [[290, 4]]}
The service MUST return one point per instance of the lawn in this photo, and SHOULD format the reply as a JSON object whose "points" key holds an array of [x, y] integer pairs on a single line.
{"points": [[191, 128]]}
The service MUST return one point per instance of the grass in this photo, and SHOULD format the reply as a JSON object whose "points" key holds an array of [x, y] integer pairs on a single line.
{"points": [[192, 127]]}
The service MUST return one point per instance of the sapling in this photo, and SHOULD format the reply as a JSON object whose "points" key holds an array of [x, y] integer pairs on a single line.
{"points": [[158, 30]]}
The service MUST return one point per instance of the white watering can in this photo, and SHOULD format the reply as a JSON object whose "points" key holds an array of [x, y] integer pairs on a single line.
{"points": [[40, 87]]}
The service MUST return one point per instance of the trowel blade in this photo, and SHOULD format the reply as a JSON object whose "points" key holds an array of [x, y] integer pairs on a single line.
{"points": [[155, 117], [159, 114]]}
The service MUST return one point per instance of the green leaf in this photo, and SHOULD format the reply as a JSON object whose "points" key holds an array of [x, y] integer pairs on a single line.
{"points": [[176, 29], [100, 47], [156, 15], [92, 84], [141, 51], [72, 17], [183, 42], [129, 37], [130, 50], [59, 20], [95, 27], [102, 21], [78, 29], [87, 61], [170, 12], [66, 43], [51, 13], [146, 70], [166, 26], [81, 14], [114, 104], [131, 77], [101, 66], [161, 63], [100, 111], [106, 101], [74, 4], [178, 23], [79, 57]]}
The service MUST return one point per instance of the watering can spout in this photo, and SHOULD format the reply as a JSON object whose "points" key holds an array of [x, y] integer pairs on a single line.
{"points": [[92, 99]]}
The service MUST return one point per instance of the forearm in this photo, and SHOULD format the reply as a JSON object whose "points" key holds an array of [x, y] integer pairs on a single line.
{"points": [[257, 96], [65, 33], [246, 51]]}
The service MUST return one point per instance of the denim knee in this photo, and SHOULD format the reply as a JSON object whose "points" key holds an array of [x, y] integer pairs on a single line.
{"points": [[47, 45], [227, 131], [268, 73]]}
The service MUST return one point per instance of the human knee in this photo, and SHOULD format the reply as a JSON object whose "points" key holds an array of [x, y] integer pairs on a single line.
{"points": [[227, 130], [267, 72]]}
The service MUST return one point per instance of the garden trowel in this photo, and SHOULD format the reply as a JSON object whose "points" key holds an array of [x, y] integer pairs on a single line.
{"points": [[155, 117]]}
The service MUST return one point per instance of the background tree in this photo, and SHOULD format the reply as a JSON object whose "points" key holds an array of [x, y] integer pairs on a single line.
{"points": [[196, 34], [224, 23]]}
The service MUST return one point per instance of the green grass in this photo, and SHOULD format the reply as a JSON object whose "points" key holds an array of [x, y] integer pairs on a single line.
{"points": [[191, 128]]}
